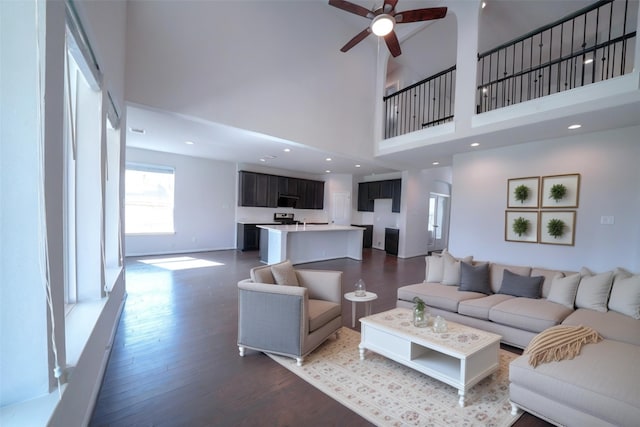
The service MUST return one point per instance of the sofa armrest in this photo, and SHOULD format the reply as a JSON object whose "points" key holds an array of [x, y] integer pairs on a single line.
{"points": [[272, 317], [324, 285]]}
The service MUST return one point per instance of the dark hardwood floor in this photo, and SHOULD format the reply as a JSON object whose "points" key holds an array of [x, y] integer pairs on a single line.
{"points": [[175, 361]]}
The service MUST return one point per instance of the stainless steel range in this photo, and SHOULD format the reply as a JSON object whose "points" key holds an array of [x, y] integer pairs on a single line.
{"points": [[283, 218]]}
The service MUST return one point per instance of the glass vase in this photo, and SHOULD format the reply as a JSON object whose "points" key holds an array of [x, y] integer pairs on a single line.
{"points": [[420, 317], [361, 290]]}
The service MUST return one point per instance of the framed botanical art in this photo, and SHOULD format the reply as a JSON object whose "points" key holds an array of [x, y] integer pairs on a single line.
{"points": [[523, 193], [558, 227], [521, 226], [560, 191]]}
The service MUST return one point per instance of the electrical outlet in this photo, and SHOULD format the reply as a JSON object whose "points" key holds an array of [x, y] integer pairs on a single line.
{"points": [[606, 220]]}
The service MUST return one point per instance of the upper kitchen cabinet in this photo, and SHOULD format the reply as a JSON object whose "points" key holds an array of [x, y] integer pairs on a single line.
{"points": [[388, 189], [258, 189], [263, 190]]}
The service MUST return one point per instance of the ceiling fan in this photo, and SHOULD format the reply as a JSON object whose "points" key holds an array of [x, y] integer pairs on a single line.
{"points": [[383, 20]]}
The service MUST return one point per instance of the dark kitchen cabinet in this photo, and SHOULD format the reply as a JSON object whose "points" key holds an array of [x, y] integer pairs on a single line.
{"points": [[386, 189], [247, 187], [397, 192], [263, 190], [369, 191], [391, 240], [364, 203], [248, 237], [373, 190]]}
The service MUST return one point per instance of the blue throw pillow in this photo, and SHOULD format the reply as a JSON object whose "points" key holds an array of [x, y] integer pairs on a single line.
{"points": [[521, 286], [474, 278]]}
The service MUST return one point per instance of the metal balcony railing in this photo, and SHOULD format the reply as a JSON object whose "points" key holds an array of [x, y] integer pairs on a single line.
{"points": [[591, 45], [428, 102], [585, 47]]}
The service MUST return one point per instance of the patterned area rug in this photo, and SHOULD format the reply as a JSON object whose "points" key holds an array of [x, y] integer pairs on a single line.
{"points": [[387, 393]]}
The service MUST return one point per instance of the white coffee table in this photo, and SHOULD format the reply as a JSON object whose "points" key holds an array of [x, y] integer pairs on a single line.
{"points": [[351, 296], [460, 357]]}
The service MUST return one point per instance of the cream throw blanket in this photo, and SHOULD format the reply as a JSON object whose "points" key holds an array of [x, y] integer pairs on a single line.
{"points": [[559, 343]]}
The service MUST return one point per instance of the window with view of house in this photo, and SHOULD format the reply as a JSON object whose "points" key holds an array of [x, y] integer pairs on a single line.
{"points": [[149, 199]]}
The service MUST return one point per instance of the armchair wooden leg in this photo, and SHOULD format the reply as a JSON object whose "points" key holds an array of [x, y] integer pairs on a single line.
{"points": [[299, 361], [241, 349], [337, 334]]}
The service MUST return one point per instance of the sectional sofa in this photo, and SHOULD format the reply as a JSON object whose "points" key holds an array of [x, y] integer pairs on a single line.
{"points": [[600, 385]]}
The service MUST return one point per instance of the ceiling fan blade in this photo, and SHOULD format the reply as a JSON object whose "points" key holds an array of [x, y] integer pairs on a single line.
{"points": [[389, 6], [357, 39], [351, 7], [393, 44], [417, 15]]}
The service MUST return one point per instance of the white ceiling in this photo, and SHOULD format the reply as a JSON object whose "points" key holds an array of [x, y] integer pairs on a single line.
{"points": [[167, 131]]}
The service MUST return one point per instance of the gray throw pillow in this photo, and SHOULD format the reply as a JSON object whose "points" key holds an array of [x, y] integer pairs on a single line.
{"points": [[474, 278], [521, 286]]}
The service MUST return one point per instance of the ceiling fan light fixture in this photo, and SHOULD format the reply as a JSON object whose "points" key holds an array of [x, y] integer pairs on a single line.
{"points": [[382, 24]]}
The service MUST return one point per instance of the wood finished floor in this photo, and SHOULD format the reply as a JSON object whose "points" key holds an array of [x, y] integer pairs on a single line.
{"points": [[175, 361]]}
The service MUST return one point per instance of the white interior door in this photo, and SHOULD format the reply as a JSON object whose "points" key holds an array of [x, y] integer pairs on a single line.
{"points": [[438, 221], [341, 208]]}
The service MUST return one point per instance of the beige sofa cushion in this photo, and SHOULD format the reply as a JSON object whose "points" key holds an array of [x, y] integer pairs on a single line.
{"points": [[262, 274], [625, 294], [436, 295], [533, 315], [548, 278], [434, 268], [284, 274], [563, 289], [451, 272], [593, 290], [611, 325], [611, 391], [480, 307], [321, 312]]}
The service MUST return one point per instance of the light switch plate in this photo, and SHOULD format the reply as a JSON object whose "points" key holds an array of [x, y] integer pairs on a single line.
{"points": [[606, 220]]}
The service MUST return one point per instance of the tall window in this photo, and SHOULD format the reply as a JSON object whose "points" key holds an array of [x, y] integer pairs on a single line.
{"points": [[149, 199]]}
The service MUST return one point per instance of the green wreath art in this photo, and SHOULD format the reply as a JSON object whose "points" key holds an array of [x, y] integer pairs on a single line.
{"points": [[557, 192], [520, 226], [555, 227], [521, 193]]}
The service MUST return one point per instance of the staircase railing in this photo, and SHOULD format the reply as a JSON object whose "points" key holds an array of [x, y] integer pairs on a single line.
{"points": [[588, 46]]}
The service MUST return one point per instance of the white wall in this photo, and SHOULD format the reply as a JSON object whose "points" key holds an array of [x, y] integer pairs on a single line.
{"points": [[416, 188], [204, 205], [25, 373], [322, 97], [608, 165]]}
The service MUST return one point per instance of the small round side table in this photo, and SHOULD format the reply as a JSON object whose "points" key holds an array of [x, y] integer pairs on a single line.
{"points": [[351, 296]]}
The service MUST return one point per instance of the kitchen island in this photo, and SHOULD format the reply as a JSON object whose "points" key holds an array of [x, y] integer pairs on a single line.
{"points": [[308, 243]]}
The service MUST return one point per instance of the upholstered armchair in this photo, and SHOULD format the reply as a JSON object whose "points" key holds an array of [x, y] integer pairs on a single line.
{"points": [[286, 311]]}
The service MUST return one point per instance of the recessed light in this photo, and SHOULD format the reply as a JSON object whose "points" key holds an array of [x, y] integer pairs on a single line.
{"points": [[262, 160], [475, 144], [328, 159], [137, 130], [357, 166], [573, 127], [189, 142], [286, 150], [327, 171], [484, 4], [269, 157], [435, 163]]}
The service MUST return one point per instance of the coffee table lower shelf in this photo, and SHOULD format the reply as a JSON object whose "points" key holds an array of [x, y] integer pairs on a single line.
{"points": [[459, 369]]}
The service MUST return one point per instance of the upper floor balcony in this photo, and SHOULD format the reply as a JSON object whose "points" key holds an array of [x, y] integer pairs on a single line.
{"points": [[581, 63]]}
